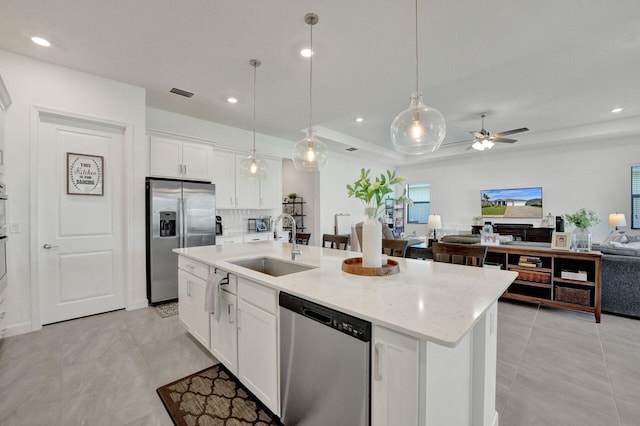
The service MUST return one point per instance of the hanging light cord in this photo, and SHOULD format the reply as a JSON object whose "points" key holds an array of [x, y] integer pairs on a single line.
{"points": [[417, 59], [310, 75], [255, 66]]}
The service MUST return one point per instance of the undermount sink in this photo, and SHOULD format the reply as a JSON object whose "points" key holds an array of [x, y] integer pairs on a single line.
{"points": [[273, 267]]}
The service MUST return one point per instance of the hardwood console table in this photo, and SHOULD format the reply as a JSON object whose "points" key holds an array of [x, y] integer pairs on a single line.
{"points": [[520, 231], [544, 284]]}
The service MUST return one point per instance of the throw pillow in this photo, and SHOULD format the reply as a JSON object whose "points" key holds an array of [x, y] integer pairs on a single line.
{"points": [[615, 237]]}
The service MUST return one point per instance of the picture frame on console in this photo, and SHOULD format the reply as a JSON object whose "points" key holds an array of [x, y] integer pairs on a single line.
{"points": [[561, 241], [489, 239]]}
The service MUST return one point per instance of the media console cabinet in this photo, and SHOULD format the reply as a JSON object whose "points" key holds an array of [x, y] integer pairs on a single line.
{"points": [[545, 283]]}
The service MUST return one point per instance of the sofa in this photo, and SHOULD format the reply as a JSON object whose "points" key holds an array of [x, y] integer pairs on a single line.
{"points": [[621, 276]]}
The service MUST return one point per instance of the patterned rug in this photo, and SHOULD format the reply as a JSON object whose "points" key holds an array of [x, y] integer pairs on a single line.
{"points": [[167, 310], [213, 397]]}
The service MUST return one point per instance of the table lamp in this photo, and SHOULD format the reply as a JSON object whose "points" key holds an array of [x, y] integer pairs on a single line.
{"points": [[617, 220], [435, 222]]}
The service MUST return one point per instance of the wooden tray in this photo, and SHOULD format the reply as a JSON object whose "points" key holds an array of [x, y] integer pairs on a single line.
{"points": [[354, 266]]}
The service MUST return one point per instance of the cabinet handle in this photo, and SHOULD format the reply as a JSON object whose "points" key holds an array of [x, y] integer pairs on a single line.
{"points": [[231, 200], [185, 169], [188, 288], [179, 169], [378, 350], [230, 308], [239, 318]]}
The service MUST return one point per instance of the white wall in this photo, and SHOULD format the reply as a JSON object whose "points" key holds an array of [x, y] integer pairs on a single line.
{"points": [[34, 83], [332, 195], [304, 184], [217, 134], [595, 175]]}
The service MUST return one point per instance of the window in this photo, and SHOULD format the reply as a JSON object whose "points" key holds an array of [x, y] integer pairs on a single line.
{"points": [[635, 197], [420, 194]]}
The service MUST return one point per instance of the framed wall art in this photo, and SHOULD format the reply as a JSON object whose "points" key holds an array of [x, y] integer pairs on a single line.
{"points": [[85, 174]]}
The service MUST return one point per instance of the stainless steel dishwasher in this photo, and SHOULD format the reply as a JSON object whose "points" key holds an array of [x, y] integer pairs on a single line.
{"points": [[325, 365]]}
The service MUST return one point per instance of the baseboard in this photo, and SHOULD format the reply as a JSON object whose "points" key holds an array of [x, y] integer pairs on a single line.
{"points": [[138, 304], [15, 329]]}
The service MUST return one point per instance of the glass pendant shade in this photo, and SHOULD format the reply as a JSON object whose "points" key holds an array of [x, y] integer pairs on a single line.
{"points": [[254, 167], [418, 129], [310, 154]]}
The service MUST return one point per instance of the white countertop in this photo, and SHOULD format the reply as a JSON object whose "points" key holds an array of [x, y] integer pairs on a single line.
{"points": [[438, 302]]}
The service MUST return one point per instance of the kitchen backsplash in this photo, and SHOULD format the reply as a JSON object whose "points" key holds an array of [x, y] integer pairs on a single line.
{"points": [[236, 221]]}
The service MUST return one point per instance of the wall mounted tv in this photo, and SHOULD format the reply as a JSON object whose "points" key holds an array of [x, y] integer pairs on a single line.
{"points": [[516, 203]]}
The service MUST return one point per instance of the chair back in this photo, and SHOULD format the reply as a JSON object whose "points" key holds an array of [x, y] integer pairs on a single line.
{"points": [[397, 248], [461, 254], [339, 242], [303, 238]]}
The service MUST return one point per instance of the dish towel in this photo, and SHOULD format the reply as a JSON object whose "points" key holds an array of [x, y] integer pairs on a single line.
{"points": [[212, 293]]}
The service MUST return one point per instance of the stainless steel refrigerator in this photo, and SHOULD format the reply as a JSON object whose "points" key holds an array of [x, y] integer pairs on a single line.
{"points": [[179, 214]]}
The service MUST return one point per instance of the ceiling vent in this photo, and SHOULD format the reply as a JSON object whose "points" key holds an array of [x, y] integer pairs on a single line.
{"points": [[352, 149], [181, 92]]}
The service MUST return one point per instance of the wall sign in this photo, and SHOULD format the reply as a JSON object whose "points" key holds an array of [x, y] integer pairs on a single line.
{"points": [[85, 174]]}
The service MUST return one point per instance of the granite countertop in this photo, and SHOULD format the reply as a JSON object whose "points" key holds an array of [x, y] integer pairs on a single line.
{"points": [[437, 302]]}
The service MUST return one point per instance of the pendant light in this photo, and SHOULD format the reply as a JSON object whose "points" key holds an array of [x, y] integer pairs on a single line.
{"points": [[310, 154], [418, 129], [253, 166]]}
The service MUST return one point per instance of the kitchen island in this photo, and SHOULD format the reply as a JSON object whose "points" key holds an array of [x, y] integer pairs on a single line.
{"points": [[433, 327]]}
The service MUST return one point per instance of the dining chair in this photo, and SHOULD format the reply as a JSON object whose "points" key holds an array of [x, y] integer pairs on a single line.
{"points": [[335, 241], [461, 254], [397, 248], [303, 238]]}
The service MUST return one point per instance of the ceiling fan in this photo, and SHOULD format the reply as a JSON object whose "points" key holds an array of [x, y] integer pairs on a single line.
{"points": [[483, 139]]}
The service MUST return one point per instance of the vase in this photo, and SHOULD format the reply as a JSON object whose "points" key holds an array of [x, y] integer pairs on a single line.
{"points": [[581, 239], [372, 240]]}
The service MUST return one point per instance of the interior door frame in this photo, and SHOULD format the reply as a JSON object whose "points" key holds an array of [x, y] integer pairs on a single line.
{"points": [[127, 130]]}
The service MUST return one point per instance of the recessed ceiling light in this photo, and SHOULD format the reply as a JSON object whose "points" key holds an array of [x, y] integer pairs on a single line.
{"points": [[41, 41], [616, 110], [232, 100], [359, 120], [306, 53]]}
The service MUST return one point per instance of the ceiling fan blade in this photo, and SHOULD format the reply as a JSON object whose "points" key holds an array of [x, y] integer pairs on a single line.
{"points": [[510, 132], [493, 139]]}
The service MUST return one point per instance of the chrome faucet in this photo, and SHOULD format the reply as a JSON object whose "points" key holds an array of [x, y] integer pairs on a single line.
{"points": [[294, 247]]}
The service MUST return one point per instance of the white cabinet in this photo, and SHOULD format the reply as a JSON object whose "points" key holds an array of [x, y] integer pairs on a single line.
{"points": [[224, 177], [247, 190], [191, 290], [224, 337], [271, 187], [250, 238], [395, 378], [257, 342], [234, 191], [180, 159], [220, 241]]}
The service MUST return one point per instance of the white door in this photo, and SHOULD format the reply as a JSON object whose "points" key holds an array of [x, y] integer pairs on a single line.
{"points": [[165, 157], [224, 336], [80, 237], [247, 190], [196, 158], [270, 188], [224, 177]]}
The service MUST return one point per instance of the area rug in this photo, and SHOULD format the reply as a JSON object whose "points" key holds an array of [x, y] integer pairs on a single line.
{"points": [[167, 310], [213, 397]]}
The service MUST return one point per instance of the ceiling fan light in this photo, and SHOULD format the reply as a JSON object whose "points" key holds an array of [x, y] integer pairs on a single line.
{"points": [[310, 154], [418, 129], [478, 146], [487, 144]]}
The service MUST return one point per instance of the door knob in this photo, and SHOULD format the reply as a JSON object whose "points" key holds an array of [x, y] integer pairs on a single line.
{"points": [[48, 246]]}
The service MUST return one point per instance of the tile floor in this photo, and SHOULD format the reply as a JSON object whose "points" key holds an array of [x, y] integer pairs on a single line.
{"points": [[555, 367]]}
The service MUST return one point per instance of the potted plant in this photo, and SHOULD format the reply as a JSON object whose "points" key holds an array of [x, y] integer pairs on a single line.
{"points": [[373, 194], [582, 219], [292, 196]]}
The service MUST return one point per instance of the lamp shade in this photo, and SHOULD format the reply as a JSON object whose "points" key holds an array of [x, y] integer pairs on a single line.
{"points": [[310, 154], [254, 167], [435, 222], [418, 129], [617, 219]]}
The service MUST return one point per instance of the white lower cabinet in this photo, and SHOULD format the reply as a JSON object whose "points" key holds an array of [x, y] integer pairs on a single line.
{"points": [[257, 353], [224, 337], [395, 378], [191, 306]]}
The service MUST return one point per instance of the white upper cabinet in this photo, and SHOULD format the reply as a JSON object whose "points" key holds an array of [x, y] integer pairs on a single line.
{"points": [[224, 178], [271, 187], [234, 191], [180, 159]]}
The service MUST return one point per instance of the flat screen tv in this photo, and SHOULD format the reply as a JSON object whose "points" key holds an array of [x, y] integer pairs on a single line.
{"points": [[516, 203]]}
